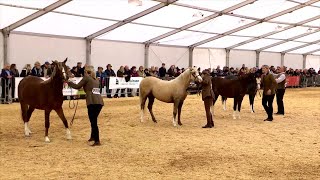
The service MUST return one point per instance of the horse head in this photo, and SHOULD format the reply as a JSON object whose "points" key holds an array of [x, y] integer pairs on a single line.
{"points": [[60, 70], [195, 76]]}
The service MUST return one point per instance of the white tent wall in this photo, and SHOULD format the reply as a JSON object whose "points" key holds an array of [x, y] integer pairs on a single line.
{"points": [[27, 49], [313, 62], [168, 55], [116, 53], [239, 57], [293, 61], [269, 58], [209, 58], [1, 51]]}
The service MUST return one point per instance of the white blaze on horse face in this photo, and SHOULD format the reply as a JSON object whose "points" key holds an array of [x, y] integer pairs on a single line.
{"points": [[68, 134], [46, 139], [64, 73]]}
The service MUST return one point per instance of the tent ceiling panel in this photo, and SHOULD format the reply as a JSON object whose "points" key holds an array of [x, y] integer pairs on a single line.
{"points": [[306, 49], [285, 46], [221, 24], [217, 5], [299, 15], [112, 9], [310, 38], [314, 23], [224, 42], [316, 4], [29, 3], [184, 38], [135, 33], [59, 24], [316, 53], [290, 33], [10, 15], [172, 16], [264, 8], [260, 29], [257, 44]]}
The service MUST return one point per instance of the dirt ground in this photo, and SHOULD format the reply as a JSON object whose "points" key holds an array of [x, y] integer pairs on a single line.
{"points": [[249, 148]]}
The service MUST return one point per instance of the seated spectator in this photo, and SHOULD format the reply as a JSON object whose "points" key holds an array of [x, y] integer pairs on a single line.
{"points": [[141, 72], [26, 71], [147, 73], [14, 70], [46, 69], [170, 71], [36, 70]]}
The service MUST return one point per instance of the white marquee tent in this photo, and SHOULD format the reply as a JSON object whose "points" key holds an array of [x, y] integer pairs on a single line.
{"points": [[204, 33]]}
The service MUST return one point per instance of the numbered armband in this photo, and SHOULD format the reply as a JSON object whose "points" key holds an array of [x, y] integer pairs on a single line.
{"points": [[96, 91]]}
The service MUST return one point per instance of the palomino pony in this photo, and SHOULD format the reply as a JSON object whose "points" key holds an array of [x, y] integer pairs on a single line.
{"points": [[174, 91], [251, 91], [35, 93], [233, 89]]}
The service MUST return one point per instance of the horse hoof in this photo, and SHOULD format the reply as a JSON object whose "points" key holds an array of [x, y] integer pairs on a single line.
{"points": [[69, 137], [46, 139], [180, 124], [234, 118]]}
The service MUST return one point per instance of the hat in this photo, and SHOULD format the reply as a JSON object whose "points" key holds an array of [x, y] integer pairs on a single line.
{"points": [[47, 63]]}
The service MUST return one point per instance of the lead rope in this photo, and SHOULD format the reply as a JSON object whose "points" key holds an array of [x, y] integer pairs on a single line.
{"points": [[74, 106]]}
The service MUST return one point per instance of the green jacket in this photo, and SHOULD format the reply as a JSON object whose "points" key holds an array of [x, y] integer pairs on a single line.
{"points": [[269, 83]]}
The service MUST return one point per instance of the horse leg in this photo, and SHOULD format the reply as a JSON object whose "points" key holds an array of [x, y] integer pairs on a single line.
{"points": [[179, 112], [239, 105], [175, 109], [150, 103], [47, 125], [234, 108], [215, 99], [24, 110], [26, 124], [142, 104], [251, 99], [224, 102], [65, 122]]}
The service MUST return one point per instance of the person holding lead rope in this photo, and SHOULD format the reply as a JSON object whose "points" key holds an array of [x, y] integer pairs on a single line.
{"points": [[94, 100]]}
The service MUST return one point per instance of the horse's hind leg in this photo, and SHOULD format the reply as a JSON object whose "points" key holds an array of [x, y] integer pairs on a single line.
{"points": [[65, 122], [251, 99], [26, 123], [142, 104], [179, 112], [150, 104], [239, 106], [175, 110], [47, 125], [24, 113], [235, 102]]}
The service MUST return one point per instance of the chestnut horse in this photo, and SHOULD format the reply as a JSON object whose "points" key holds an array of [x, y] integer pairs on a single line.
{"points": [[35, 93], [174, 91], [233, 89]]}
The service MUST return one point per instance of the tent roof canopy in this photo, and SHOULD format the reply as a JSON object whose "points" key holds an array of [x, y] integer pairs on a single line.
{"points": [[291, 26]]}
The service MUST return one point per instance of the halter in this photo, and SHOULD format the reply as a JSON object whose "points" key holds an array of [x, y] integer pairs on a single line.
{"points": [[195, 76]]}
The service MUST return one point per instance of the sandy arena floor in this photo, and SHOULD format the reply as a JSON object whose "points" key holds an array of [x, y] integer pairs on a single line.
{"points": [[288, 148]]}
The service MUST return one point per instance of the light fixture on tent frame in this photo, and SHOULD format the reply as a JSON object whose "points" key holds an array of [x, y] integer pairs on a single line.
{"points": [[279, 28], [309, 30], [135, 2], [198, 14]]}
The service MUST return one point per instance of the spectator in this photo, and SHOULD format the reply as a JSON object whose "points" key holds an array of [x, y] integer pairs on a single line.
{"points": [[127, 73], [109, 73], [162, 71], [15, 73], [6, 76], [26, 71], [46, 69], [36, 70], [120, 73], [170, 71], [141, 72], [101, 77]]}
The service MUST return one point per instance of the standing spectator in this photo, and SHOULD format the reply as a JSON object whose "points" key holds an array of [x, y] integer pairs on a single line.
{"points": [[80, 71], [269, 86], [46, 69], [101, 77], [120, 73], [109, 73], [162, 71], [281, 88], [15, 73], [127, 73], [74, 71], [26, 71], [6, 76], [36, 70]]}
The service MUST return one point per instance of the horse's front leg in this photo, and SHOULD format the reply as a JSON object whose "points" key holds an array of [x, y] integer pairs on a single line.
{"points": [[179, 112], [47, 124], [175, 110], [224, 102], [65, 122], [235, 102], [239, 106], [251, 99]]}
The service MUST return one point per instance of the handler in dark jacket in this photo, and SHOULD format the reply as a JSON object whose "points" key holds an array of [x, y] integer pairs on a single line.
{"points": [[269, 89], [207, 97], [94, 100]]}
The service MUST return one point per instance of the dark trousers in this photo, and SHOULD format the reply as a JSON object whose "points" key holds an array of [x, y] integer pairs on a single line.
{"points": [[93, 112], [5, 89], [207, 104], [279, 96], [267, 101], [108, 91], [121, 93]]}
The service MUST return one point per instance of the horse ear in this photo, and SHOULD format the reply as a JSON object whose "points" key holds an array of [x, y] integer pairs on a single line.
{"points": [[65, 60]]}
